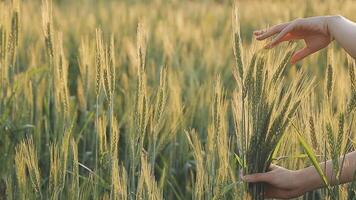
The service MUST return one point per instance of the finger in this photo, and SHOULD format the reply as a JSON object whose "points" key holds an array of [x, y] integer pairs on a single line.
{"points": [[280, 36], [272, 31], [258, 32], [258, 177], [273, 167], [300, 54]]}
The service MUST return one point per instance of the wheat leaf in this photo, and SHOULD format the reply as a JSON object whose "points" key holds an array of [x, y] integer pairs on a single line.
{"points": [[311, 156]]}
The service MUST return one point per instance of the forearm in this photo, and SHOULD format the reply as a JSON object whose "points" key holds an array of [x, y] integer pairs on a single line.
{"points": [[312, 180], [344, 32]]}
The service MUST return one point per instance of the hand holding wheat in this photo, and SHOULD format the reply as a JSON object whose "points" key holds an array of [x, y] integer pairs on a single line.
{"points": [[284, 183], [280, 182]]}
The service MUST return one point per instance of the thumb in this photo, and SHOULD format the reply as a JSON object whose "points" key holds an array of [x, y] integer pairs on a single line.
{"points": [[300, 54], [258, 177], [273, 167]]}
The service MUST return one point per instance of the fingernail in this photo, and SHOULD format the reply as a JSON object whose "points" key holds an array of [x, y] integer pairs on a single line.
{"points": [[241, 174], [257, 32], [244, 178]]}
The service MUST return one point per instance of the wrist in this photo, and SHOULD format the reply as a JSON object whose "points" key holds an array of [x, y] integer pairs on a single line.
{"points": [[301, 180], [331, 21], [308, 179]]}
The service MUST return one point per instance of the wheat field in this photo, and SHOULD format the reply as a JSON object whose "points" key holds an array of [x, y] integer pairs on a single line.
{"points": [[165, 99]]}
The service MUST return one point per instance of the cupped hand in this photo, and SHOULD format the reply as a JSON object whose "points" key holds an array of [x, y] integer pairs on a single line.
{"points": [[314, 31], [280, 182]]}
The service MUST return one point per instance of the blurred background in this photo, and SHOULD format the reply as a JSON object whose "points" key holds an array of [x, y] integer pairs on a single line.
{"points": [[192, 38]]}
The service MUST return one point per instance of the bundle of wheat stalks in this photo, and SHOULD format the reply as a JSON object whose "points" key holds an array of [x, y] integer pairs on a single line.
{"points": [[264, 106]]}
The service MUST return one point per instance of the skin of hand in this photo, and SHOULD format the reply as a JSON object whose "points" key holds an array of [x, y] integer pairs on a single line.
{"points": [[280, 182], [314, 31], [317, 33], [283, 183]]}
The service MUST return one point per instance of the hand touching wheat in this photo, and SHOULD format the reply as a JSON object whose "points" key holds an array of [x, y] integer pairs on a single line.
{"points": [[284, 183], [276, 180], [317, 32]]}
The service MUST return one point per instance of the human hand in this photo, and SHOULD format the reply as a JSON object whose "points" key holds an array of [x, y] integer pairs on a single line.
{"points": [[314, 31], [280, 182]]}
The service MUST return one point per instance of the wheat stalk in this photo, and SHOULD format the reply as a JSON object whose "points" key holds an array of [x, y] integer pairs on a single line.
{"points": [[47, 25], [21, 173], [115, 173], [330, 74], [75, 168], [237, 43], [313, 133], [14, 34]]}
